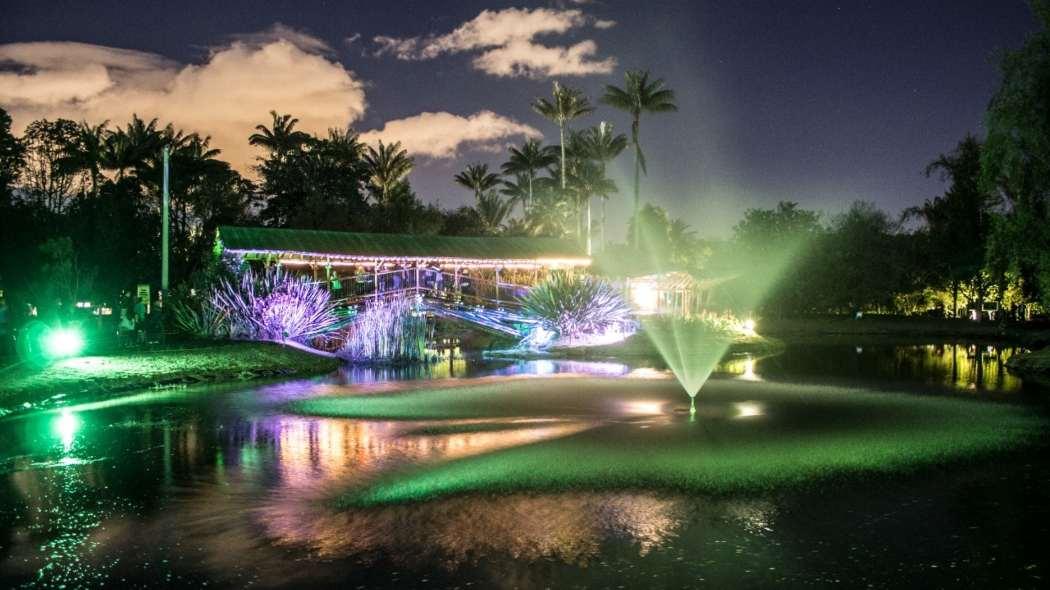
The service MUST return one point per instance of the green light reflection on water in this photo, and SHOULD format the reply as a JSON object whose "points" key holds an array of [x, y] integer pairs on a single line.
{"points": [[65, 427]]}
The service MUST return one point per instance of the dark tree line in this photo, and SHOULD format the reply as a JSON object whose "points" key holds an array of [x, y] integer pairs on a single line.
{"points": [[79, 205]]}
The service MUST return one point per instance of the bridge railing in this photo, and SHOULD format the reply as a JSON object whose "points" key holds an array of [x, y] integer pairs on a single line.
{"points": [[432, 283]]}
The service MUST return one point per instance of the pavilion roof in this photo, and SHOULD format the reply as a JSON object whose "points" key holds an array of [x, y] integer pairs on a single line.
{"points": [[317, 244]]}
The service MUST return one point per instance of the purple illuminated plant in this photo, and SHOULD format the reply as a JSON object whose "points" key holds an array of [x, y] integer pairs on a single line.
{"points": [[388, 330], [276, 306]]}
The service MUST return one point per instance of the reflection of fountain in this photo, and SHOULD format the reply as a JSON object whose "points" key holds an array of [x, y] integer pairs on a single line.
{"points": [[327, 455]]}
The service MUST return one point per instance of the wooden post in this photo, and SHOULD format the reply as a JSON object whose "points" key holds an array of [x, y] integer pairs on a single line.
{"points": [[455, 281], [375, 282]]}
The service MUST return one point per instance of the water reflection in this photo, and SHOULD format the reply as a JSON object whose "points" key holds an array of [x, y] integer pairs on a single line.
{"points": [[328, 456], [225, 487], [455, 366], [966, 367], [570, 527]]}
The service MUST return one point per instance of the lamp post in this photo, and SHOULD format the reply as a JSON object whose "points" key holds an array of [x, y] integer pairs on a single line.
{"points": [[165, 222]]}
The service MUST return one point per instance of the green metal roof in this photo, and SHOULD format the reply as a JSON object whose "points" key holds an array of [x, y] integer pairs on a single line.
{"points": [[337, 243]]}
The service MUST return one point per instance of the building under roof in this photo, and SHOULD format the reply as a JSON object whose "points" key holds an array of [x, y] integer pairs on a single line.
{"points": [[334, 248]]}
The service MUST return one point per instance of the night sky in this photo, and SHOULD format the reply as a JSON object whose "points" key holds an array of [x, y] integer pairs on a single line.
{"points": [[819, 102]]}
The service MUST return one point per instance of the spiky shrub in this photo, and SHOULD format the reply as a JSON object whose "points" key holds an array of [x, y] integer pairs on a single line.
{"points": [[390, 330], [276, 306], [575, 306], [202, 319]]}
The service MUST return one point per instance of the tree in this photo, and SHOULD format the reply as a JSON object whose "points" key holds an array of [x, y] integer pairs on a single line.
{"points": [[957, 224], [142, 144], [464, 221], [478, 179], [12, 153], [860, 262], [1016, 158], [767, 245], [518, 190], [404, 213], [588, 180], [280, 138], [525, 162], [493, 212], [387, 166], [603, 145], [320, 185], [48, 184], [551, 216], [86, 153], [639, 95], [566, 105], [61, 280]]}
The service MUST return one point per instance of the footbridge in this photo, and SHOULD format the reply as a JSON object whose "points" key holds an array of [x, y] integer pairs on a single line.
{"points": [[482, 303], [475, 280]]}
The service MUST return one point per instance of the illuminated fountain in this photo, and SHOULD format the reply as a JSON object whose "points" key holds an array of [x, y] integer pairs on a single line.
{"points": [[693, 317], [690, 347]]}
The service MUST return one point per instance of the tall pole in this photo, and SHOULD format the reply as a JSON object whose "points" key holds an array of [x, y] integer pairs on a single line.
{"points": [[164, 228]]}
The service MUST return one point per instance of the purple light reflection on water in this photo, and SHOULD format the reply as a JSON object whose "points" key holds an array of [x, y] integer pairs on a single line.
{"points": [[364, 379]]}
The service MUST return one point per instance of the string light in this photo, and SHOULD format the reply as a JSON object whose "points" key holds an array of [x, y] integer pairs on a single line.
{"points": [[297, 258]]}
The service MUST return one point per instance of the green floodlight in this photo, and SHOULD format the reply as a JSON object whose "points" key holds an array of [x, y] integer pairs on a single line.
{"points": [[63, 342]]}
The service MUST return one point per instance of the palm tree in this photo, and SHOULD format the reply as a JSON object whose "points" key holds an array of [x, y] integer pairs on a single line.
{"points": [[493, 211], [518, 191], [567, 104], [602, 145], [478, 179], [117, 153], [588, 181], [552, 215], [387, 167], [281, 137], [346, 143], [525, 162], [639, 95], [683, 242], [86, 152]]}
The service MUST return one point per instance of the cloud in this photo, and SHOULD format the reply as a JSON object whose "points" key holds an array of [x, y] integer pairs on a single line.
{"points": [[535, 61], [225, 96], [444, 135], [282, 32], [507, 40]]}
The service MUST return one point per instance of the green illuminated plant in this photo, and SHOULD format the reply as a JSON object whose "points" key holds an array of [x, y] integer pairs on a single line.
{"points": [[575, 305]]}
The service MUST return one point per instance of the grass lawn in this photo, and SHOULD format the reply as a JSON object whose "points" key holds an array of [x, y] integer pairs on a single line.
{"points": [[746, 436], [84, 377]]}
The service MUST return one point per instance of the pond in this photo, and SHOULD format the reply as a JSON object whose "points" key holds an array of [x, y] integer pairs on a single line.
{"points": [[226, 487]]}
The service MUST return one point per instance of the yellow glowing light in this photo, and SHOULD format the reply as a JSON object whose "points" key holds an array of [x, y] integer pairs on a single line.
{"points": [[643, 408], [748, 409], [644, 296], [749, 370], [647, 373], [291, 258]]}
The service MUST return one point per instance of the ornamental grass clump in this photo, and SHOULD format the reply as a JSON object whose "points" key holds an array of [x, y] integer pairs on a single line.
{"points": [[390, 330], [576, 306]]}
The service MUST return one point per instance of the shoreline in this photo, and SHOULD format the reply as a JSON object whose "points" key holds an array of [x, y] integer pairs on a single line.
{"points": [[97, 377]]}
